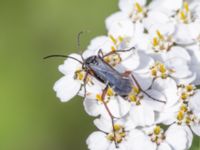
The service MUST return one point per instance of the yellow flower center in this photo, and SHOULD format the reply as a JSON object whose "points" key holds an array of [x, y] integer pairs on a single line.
{"points": [[184, 13], [135, 96], [186, 91], [161, 42], [138, 13], [107, 97], [138, 7], [119, 134], [113, 59], [79, 75], [157, 135], [157, 130], [159, 70], [185, 116]]}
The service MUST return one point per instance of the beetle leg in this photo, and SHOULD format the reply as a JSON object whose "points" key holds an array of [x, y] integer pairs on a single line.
{"points": [[118, 51], [100, 53], [126, 73], [110, 114], [138, 85], [84, 84]]}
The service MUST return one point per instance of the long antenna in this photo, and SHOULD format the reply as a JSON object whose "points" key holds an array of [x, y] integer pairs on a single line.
{"points": [[63, 56], [79, 42]]}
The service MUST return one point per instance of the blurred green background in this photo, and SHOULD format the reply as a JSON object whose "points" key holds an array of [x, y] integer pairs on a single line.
{"points": [[31, 117]]}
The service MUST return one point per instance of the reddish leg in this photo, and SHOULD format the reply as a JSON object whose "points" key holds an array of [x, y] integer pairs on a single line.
{"points": [[138, 85], [110, 114], [118, 51], [84, 84]]}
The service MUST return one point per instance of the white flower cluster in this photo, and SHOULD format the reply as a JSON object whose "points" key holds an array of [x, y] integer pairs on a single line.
{"points": [[161, 111]]}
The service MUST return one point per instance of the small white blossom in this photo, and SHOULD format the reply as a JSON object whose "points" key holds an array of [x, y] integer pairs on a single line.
{"points": [[155, 47]]}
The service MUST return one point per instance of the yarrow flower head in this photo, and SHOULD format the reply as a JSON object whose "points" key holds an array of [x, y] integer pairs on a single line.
{"points": [[140, 80]]}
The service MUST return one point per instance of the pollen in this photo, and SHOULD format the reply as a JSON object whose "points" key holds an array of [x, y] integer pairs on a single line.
{"points": [[161, 42], [157, 130], [117, 127], [107, 59], [138, 7], [110, 92], [120, 38], [189, 88], [79, 75], [113, 39], [188, 120], [133, 98], [136, 90], [183, 16], [155, 41], [153, 72], [118, 134], [113, 48], [113, 59], [98, 97], [184, 96], [186, 6], [161, 37], [184, 108], [160, 70], [157, 135], [180, 115], [186, 91]]}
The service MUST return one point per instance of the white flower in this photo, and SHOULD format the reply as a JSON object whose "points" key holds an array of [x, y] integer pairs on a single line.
{"points": [[121, 139], [95, 105], [155, 47], [69, 85], [174, 138], [143, 108], [132, 10], [182, 13], [194, 51]]}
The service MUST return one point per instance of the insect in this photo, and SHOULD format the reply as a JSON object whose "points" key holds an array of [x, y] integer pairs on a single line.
{"points": [[97, 67]]}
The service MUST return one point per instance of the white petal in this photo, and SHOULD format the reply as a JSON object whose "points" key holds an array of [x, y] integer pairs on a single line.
{"points": [[66, 88], [104, 124], [164, 146], [168, 115], [142, 115], [196, 129], [131, 62], [167, 6], [139, 141], [154, 100], [145, 62], [100, 42], [128, 5], [92, 107], [97, 141], [176, 136], [71, 65], [183, 34], [180, 67], [196, 68], [115, 18], [167, 87], [123, 28], [194, 102], [156, 18], [189, 136], [177, 52], [118, 106], [144, 80]]}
